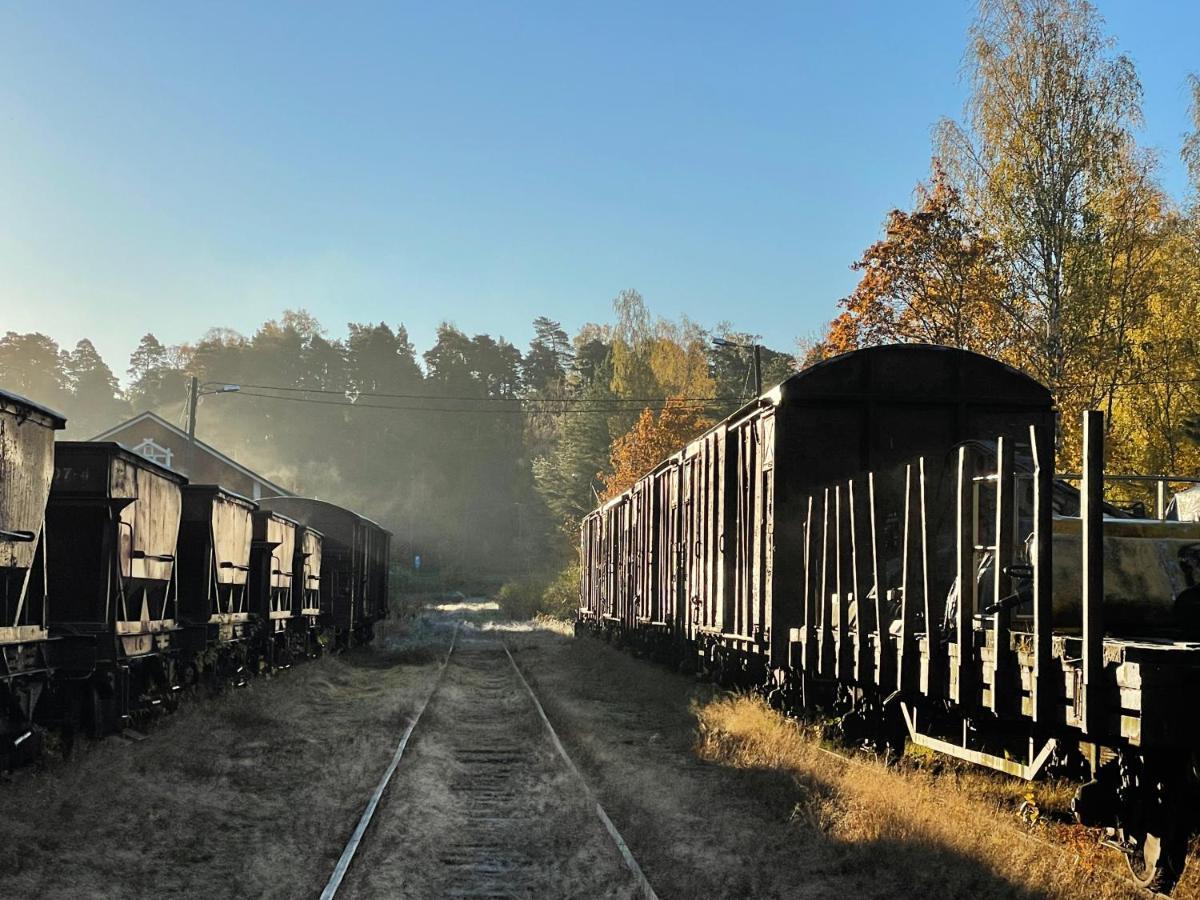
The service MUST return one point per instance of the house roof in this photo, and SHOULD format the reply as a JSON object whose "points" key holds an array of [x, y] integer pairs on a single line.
{"points": [[200, 445]]}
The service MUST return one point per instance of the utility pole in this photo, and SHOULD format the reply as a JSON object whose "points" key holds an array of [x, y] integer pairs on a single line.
{"points": [[756, 359], [193, 398], [195, 391]]}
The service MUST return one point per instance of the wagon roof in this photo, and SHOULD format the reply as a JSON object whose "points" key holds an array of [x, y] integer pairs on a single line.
{"points": [[869, 371], [305, 509], [976, 378], [57, 420], [192, 488], [282, 517], [111, 448]]}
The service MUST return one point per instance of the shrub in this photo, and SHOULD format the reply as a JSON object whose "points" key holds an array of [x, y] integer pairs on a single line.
{"points": [[521, 598], [532, 595], [560, 599]]}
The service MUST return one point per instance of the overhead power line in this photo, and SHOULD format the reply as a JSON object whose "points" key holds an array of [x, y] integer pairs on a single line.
{"points": [[346, 392], [477, 410]]}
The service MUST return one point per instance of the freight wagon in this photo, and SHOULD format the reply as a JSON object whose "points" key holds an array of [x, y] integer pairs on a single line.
{"points": [[26, 471], [272, 600], [113, 518], [354, 566], [882, 537], [214, 596]]}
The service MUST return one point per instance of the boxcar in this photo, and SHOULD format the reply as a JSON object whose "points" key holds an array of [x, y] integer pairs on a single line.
{"points": [[113, 524], [214, 567], [354, 557], [26, 471], [709, 543], [273, 563], [882, 537]]}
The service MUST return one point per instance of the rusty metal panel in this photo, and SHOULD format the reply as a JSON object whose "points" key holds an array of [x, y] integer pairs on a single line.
{"points": [[150, 524], [307, 586], [213, 559], [26, 470], [232, 531], [280, 532], [623, 572]]}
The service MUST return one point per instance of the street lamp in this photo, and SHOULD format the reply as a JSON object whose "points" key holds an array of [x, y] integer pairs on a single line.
{"points": [[722, 342], [196, 390]]}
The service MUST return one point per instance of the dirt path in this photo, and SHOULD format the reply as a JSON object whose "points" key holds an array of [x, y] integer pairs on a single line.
{"points": [[482, 804]]}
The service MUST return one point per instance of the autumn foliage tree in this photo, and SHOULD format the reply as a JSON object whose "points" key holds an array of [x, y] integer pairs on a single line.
{"points": [[651, 440], [934, 278]]}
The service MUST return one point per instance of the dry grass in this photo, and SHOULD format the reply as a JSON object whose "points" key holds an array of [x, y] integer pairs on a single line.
{"points": [[251, 794], [921, 803]]}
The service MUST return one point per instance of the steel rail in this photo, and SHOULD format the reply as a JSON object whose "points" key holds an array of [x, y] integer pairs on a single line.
{"points": [[343, 863], [632, 864]]}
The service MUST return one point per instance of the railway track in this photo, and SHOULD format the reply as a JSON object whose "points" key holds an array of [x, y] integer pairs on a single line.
{"points": [[485, 802]]}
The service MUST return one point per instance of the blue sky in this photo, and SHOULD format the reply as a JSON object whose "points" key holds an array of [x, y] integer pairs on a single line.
{"points": [[170, 167]]}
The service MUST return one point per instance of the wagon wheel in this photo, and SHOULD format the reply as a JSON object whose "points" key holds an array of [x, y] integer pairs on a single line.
{"points": [[1156, 860]]}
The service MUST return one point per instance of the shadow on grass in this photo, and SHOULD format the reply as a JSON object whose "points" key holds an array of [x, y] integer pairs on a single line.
{"points": [[779, 827]]}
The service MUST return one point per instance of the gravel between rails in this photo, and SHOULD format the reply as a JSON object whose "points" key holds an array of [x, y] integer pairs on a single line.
{"points": [[483, 805]]}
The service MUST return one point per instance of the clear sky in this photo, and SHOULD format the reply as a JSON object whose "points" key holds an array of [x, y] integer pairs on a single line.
{"points": [[168, 167]]}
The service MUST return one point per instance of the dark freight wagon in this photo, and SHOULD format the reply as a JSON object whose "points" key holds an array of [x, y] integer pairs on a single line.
{"points": [[113, 523], [273, 563], [735, 572], [26, 471], [882, 539], [354, 565], [214, 567]]}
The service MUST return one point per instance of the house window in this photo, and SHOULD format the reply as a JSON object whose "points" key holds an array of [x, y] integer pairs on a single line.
{"points": [[154, 452]]}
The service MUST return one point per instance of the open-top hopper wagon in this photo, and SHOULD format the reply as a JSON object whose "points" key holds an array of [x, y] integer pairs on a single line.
{"points": [[26, 470], [214, 569], [273, 565], [113, 519]]}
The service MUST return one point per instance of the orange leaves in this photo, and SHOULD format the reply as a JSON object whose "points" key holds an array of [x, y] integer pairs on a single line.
{"points": [[650, 441], [934, 278]]}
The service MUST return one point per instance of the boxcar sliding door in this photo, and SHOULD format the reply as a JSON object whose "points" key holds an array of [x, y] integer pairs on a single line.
{"points": [[707, 530], [749, 547]]}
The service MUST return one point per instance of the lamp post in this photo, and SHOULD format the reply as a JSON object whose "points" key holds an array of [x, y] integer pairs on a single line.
{"points": [[196, 390], [757, 351]]}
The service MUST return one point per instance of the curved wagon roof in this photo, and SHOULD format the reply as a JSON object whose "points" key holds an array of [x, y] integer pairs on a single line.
{"points": [[893, 371], [332, 521]]}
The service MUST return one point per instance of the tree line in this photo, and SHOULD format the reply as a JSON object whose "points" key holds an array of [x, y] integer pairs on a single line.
{"points": [[1044, 237], [476, 454]]}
